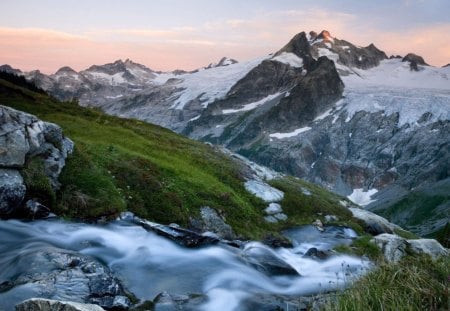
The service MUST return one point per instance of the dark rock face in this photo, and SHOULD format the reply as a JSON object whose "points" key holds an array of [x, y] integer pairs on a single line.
{"points": [[416, 59], [39, 304], [23, 138]]}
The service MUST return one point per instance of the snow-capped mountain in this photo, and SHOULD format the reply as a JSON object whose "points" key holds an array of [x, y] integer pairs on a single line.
{"points": [[373, 128]]}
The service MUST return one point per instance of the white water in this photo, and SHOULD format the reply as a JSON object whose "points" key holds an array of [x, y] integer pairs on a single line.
{"points": [[149, 264]]}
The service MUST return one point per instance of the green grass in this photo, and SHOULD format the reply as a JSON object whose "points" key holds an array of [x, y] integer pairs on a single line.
{"points": [[415, 283]]}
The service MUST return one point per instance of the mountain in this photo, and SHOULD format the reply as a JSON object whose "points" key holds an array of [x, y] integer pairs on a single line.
{"points": [[346, 117]]}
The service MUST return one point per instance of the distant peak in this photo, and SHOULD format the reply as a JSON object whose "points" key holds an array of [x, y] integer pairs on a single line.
{"points": [[414, 58], [65, 69], [326, 36], [224, 61]]}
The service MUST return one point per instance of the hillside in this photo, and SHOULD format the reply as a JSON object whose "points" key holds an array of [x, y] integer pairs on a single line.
{"points": [[123, 164]]}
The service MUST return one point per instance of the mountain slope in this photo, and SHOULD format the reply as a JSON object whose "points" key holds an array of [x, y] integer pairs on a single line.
{"points": [[321, 108], [120, 164]]}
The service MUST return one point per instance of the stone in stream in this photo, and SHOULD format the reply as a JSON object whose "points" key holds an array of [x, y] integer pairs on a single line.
{"points": [[211, 221], [39, 304]]}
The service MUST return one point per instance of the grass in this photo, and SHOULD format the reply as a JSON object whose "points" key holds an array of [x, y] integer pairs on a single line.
{"points": [[415, 283], [362, 246]]}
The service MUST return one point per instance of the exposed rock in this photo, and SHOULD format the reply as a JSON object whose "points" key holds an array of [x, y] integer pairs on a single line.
{"points": [[39, 304], [374, 224], [277, 242], [36, 210], [392, 246], [280, 216], [265, 260], [66, 276], [315, 253], [428, 246], [270, 219], [273, 208], [264, 191], [181, 236], [418, 60], [167, 301], [23, 137], [318, 224], [211, 221], [331, 218], [12, 191]]}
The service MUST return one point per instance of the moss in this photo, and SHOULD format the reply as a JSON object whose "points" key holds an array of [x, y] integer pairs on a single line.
{"points": [[37, 183]]}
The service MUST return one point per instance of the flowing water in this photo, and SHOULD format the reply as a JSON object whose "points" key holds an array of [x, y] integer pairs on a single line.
{"points": [[148, 264]]}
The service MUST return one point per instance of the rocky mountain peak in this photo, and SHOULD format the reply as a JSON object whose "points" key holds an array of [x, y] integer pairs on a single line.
{"points": [[299, 45], [65, 69], [7, 68], [224, 61], [326, 36], [414, 58]]}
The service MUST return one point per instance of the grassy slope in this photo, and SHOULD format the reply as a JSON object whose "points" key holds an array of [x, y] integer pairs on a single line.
{"points": [[121, 164]]}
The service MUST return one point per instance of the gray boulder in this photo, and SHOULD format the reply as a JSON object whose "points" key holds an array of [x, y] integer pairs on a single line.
{"points": [[23, 137], [374, 224], [38, 304], [213, 222], [428, 246], [392, 246], [12, 190]]}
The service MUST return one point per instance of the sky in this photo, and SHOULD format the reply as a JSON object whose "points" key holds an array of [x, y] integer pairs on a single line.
{"points": [[188, 34]]}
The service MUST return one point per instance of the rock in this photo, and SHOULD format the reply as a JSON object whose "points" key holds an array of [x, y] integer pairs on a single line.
{"points": [[39, 304], [12, 191], [264, 191], [66, 276], [181, 236], [211, 221], [270, 219], [331, 218], [273, 208], [318, 224], [265, 260], [418, 60], [428, 246], [168, 302], [23, 137], [395, 247], [317, 254], [374, 224], [280, 216], [36, 210], [277, 242], [392, 246]]}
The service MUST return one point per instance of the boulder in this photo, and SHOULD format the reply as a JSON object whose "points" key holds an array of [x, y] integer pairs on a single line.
{"points": [[24, 137], [266, 260], [374, 224], [428, 246], [213, 222], [273, 208], [392, 246], [413, 58], [34, 209], [12, 191], [39, 304]]}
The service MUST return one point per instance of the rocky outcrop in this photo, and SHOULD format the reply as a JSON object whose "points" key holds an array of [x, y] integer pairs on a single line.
{"points": [[23, 139], [211, 221], [395, 248], [39, 304], [374, 224], [414, 58]]}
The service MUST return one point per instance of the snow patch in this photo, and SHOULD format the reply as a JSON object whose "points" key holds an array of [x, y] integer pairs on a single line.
{"points": [[194, 118], [361, 197], [323, 115], [290, 134], [251, 106], [289, 58]]}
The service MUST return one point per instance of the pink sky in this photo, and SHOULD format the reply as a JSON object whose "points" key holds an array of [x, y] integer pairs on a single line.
{"points": [[190, 47]]}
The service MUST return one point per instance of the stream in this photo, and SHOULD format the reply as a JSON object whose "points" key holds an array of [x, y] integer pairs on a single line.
{"points": [[64, 260]]}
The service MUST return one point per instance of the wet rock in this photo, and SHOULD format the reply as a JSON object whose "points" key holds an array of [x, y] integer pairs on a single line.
{"points": [[65, 276], [265, 260], [211, 221], [181, 236], [172, 302], [39, 304], [319, 225], [316, 253], [35, 210], [12, 191], [276, 242]]}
